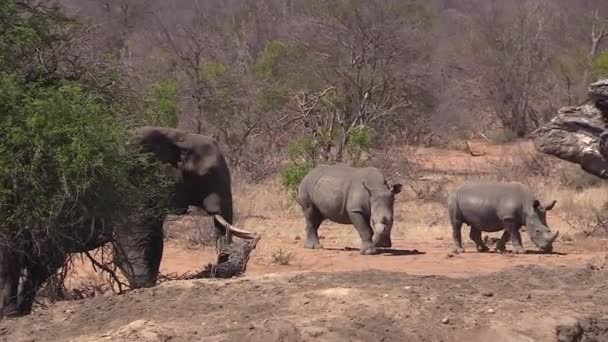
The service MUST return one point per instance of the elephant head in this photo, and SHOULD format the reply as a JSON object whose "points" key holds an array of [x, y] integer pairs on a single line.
{"points": [[192, 154]]}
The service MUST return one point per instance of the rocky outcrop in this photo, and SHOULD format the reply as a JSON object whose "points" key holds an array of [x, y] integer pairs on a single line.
{"points": [[580, 134]]}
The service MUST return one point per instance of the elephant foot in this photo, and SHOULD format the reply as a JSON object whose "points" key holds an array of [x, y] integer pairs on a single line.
{"points": [[368, 249], [482, 248], [458, 250], [519, 250], [313, 245]]}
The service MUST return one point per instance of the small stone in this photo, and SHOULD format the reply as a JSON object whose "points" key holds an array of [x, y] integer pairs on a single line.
{"points": [[385, 295], [491, 311], [407, 287], [445, 320], [297, 238], [449, 255], [487, 294]]}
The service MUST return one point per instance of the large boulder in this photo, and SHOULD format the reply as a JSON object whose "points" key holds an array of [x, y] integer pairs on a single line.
{"points": [[579, 134]]}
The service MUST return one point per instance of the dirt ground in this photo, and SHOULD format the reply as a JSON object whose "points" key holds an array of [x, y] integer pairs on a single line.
{"points": [[415, 291], [523, 303]]}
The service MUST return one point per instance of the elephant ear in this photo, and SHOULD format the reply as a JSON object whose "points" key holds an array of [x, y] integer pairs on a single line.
{"points": [[160, 141]]}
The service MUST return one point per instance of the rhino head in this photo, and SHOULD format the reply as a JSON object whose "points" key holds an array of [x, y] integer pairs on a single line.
{"points": [[381, 213], [536, 225]]}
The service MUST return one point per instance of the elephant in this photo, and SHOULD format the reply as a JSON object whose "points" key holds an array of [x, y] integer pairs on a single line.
{"points": [[203, 181]]}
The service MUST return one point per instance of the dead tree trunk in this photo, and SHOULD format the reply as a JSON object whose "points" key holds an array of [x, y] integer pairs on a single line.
{"points": [[580, 134], [598, 33]]}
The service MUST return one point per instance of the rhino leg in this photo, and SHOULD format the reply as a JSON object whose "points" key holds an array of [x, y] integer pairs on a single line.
{"points": [[501, 245], [313, 221], [365, 232], [457, 235], [513, 229], [475, 235]]}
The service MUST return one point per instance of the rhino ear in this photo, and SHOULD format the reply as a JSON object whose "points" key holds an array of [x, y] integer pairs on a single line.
{"points": [[550, 205], [396, 188], [536, 204]]}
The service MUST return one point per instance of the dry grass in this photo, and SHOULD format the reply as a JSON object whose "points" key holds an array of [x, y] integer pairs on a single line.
{"points": [[282, 257], [258, 200]]}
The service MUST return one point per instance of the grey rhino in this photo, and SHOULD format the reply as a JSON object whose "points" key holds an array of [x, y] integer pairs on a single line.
{"points": [[348, 195], [493, 206]]}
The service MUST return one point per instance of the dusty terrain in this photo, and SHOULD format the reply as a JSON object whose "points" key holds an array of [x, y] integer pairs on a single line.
{"points": [[415, 291]]}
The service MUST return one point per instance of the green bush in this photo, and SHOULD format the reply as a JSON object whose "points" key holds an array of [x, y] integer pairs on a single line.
{"points": [[64, 161], [302, 149], [160, 104], [62, 158], [292, 174], [600, 65], [360, 139]]}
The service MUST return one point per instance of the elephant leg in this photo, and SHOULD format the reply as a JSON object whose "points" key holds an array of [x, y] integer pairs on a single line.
{"points": [[138, 251], [37, 272], [313, 220], [475, 235], [366, 233], [10, 271]]}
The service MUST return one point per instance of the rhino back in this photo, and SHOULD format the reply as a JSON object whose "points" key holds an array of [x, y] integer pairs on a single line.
{"points": [[486, 205], [332, 190]]}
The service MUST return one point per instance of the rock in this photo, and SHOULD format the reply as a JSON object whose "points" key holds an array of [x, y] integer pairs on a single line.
{"points": [[579, 134], [139, 330], [599, 90], [445, 320], [487, 294], [491, 311]]}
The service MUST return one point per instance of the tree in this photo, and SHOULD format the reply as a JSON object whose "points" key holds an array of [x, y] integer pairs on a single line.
{"points": [[514, 52], [66, 176], [599, 32]]}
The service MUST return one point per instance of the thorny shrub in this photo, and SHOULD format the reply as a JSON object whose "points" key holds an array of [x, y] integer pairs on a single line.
{"points": [[281, 257]]}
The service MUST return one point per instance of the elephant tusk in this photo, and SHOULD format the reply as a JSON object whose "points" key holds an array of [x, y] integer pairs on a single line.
{"points": [[243, 234]]}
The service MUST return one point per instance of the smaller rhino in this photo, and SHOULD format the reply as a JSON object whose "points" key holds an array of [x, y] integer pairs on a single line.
{"points": [[348, 195], [493, 206]]}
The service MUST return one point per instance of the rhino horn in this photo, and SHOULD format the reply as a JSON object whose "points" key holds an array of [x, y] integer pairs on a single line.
{"points": [[555, 235]]}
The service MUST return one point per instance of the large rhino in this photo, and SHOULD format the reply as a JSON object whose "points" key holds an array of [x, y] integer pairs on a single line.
{"points": [[348, 195], [493, 206]]}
